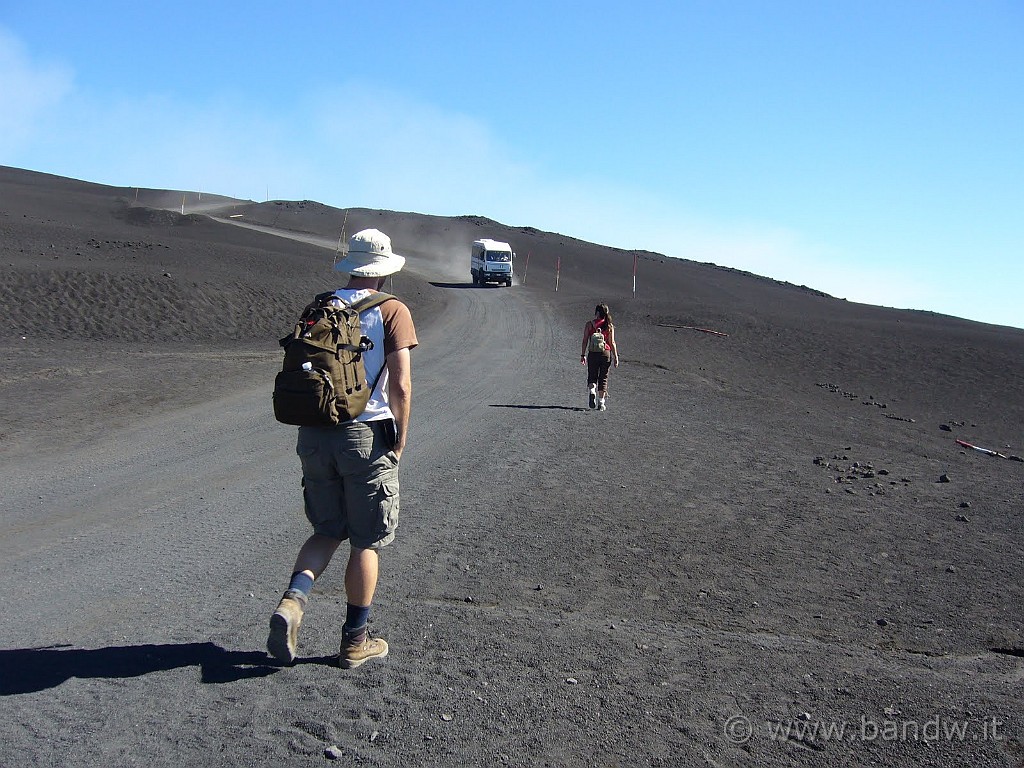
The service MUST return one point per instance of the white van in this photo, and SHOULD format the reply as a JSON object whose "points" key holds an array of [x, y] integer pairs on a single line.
{"points": [[491, 262]]}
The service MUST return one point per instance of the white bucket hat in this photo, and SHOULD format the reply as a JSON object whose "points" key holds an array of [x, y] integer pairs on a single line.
{"points": [[370, 255]]}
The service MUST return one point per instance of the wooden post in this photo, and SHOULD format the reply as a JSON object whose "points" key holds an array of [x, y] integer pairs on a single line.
{"points": [[344, 223]]}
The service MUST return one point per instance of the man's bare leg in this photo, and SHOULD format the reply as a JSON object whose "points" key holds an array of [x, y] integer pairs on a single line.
{"points": [[312, 560]]}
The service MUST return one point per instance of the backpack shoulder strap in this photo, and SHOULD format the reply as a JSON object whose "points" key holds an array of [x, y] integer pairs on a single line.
{"points": [[320, 298], [371, 301], [319, 302], [365, 303]]}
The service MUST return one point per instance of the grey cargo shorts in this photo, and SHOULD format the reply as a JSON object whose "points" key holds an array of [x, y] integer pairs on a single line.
{"points": [[350, 482]]}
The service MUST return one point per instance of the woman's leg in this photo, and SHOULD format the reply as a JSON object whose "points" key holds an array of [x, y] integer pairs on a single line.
{"points": [[602, 381]]}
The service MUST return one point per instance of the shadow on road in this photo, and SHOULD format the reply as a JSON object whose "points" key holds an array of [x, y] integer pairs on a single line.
{"points": [[27, 670], [484, 287], [453, 285], [539, 407]]}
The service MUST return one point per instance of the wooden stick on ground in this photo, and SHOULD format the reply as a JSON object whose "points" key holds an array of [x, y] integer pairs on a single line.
{"points": [[693, 328]]}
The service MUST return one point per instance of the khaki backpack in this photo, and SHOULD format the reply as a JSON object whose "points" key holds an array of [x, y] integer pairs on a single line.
{"points": [[323, 381]]}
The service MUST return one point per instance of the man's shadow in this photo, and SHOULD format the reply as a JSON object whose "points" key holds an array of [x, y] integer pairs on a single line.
{"points": [[27, 670]]}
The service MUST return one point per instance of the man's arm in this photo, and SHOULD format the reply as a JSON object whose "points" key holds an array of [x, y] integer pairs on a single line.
{"points": [[400, 393]]}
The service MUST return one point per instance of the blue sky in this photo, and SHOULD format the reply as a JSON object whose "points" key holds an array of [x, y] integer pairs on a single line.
{"points": [[872, 150]]}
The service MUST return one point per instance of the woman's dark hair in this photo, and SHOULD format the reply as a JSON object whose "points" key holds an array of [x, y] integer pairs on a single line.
{"points": [[602, 310]]}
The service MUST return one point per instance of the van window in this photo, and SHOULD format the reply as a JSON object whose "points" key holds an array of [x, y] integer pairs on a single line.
{"points": [[498, 256]]}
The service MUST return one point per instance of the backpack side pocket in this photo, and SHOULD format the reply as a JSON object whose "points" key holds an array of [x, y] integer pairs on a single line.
{"points": [[305, 398]]}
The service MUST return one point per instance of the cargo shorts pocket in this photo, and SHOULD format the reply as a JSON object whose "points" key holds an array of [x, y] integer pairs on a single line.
{"points": [[307, 447], [388, 501]]}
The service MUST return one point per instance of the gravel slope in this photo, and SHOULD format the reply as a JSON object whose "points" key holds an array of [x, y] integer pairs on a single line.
{"points": [[746, 538]]}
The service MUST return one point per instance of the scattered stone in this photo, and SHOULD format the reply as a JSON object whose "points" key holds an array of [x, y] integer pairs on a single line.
{"points": [[572, 681], [469, 599], [945, 427], [891, 711], [899, 418], [965, 505], [539, 587], [333, 752], [446, 717], [963, 519], [950, 569], [944, 478], [374, 735], [882, 622], [167, 274]]}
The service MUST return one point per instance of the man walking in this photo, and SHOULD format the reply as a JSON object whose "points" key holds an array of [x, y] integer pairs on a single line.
{"points": [[350, 472]]}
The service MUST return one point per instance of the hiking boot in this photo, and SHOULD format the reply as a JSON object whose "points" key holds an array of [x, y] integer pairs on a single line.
{"points": [[601, 405], [593, 396], [283, 640], [358, 648]]}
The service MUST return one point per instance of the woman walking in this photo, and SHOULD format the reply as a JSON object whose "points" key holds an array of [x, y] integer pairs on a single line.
{"points": [[599, 354]]}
